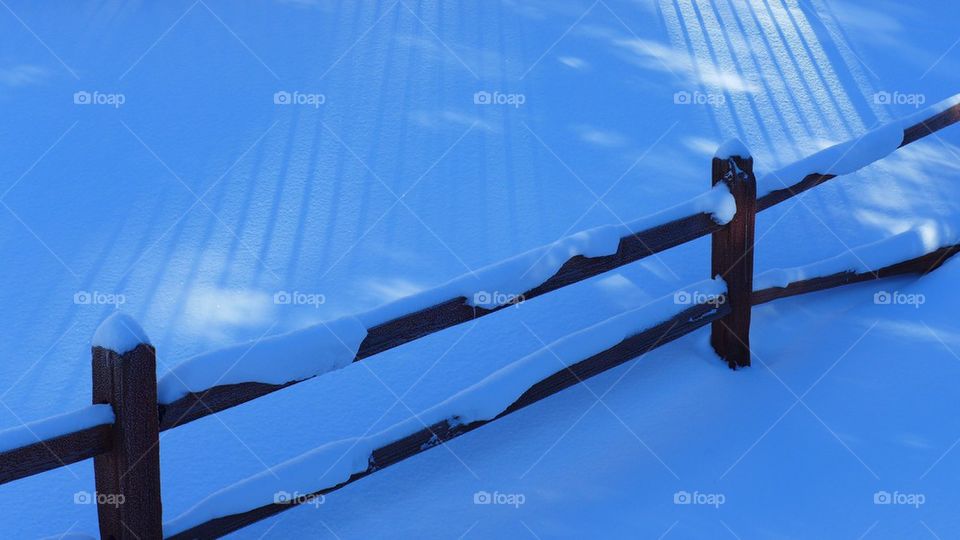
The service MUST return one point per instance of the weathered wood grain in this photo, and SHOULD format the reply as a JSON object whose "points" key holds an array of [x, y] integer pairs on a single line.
{"points": [[129, 506], [61, 451], [732, 260]]}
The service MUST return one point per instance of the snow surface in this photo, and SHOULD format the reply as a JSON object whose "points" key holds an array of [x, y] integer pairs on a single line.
{"points": [[279, 359], [119, 333], [54, 426], [105, 199]]}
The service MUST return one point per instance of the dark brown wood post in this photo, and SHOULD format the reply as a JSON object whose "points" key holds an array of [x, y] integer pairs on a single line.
{"points": [[733, 254], [128, 477]]}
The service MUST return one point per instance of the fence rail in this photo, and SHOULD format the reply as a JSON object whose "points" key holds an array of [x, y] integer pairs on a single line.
{"points": [[127, 379], [55, 452]]}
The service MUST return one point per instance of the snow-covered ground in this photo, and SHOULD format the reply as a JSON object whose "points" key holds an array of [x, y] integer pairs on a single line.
{"points": [[188, 197]]}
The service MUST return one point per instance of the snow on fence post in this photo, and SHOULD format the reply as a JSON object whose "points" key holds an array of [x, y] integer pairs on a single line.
{"points": [[128, 477], [732, 258]]}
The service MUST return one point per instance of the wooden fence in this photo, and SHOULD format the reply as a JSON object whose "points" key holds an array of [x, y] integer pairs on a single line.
{"points": [[126, 450]]}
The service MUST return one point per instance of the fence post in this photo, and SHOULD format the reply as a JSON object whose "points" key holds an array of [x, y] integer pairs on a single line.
{"points": [[732, 257], [128, 477]]}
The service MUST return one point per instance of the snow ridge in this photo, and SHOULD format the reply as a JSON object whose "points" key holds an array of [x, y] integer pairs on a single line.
{"points": [[495, 284], [916, 242], [119, 333], [294, 356]]}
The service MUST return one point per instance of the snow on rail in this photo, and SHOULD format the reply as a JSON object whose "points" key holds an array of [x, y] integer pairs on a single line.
{"points": [[849, 156], [55, 426], [509, 278], [730, 148], [912, 243], [932, 110], [334, 463], [294, 356]]}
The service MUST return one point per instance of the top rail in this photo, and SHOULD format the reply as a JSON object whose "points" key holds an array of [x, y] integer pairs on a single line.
{"points": [[49, 454], [55, 442], [455, 311]]}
